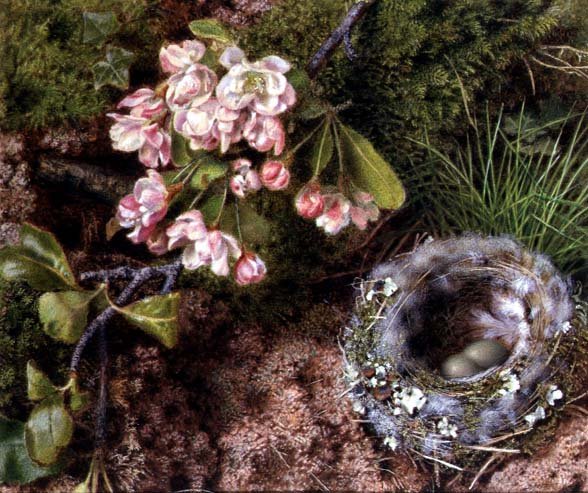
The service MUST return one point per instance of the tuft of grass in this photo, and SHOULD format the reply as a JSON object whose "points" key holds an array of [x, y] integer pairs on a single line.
{"points": [[510, 177]]}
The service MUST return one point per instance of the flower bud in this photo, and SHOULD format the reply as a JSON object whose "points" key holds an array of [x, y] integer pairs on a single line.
{"points": [[309, 201], [275, 176], [249, 269]]}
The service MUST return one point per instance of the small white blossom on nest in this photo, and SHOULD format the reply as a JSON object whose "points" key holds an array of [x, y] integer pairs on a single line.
{"points": [[553, 394], [511, 383], [411, 399], [447, 429], [390, 287], [565, 327], [391, 443], [535, 416]]}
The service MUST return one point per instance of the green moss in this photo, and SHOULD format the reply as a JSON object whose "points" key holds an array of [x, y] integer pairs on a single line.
{"points": [[415, 58], [46, 71], [22, 339]]}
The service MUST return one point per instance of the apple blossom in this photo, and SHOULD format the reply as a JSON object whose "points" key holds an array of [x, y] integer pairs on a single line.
{"points": [[274, 175], [246, 180], [365, 210], [133, 133], [249, 269], [144, 208], [176, 58], [260, 85], [187, 228], [208, 125], [144, 103], [222, 245], [336, 213], [309, 201], [264, 132], [194, 86]]}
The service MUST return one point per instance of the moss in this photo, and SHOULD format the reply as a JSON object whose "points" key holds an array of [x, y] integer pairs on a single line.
{"points": [[45, 69], [22, 339], [415, 58]]}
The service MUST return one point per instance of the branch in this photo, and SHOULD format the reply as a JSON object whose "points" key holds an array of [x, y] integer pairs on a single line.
{"points": [[138, 277], [325, 52]]}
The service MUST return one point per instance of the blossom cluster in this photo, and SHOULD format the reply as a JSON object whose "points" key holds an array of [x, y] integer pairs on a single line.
{"points": [[143, 212], [211, 113], [334, 211]]}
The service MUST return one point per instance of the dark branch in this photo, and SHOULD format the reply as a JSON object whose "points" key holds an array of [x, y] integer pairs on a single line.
{"points": [[325, 52], [137, 277]]}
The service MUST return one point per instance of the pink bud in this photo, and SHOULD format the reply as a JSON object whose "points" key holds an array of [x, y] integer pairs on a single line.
{"points": [[336, 214], [309, 201], [274, 175], [249, 269]]}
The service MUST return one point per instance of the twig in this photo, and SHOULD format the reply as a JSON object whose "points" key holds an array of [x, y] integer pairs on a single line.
{"points": [[138, 278], [325, 52]]}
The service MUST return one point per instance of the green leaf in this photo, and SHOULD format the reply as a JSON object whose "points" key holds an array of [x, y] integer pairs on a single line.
{"points": [[64, 315], [211, 208], [48, 430], [209, 169], [38, 384], [157, 316], [179, 149], [79, 400], [368, 170], [39, 260], [98, 26], [255, 229], [16, 467], [322, 151], [211, 29], [114, 71]]}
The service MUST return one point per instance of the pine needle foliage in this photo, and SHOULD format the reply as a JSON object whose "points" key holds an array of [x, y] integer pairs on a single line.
{"points": [[527, 185]]}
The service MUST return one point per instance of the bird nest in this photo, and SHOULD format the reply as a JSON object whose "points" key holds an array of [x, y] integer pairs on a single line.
{"points": [[462, 346]]}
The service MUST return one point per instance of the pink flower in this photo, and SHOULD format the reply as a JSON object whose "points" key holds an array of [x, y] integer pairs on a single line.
{"points": [[194, 86], [208, 125], [188, 228], [274, 175], [309, 201], [249, 269], [246, 180], [144, 208], [133, 133], [336, 213], [176, 58], [144, 103], [157, 242], [264, 132], [157, 147], [222, 245], [364, 211], [260, 85], [202, 247]]}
